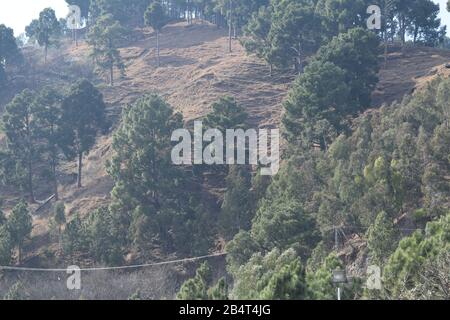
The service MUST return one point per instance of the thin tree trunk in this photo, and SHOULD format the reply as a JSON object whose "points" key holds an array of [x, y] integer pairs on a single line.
{"points": [[300, 59], [385, 49], [19, 247], [157, 48], [30, 180], [59, 237], [111, 75], [80, 167], [230, 27], [55, 180], [45, 53]]}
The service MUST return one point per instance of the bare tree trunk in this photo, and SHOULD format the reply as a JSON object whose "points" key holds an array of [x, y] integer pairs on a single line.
{"points": [[385, 53], [19, 249], [230, 27], [45, 53], [111, 75], [59, 237], [157, 48], [80, 168], [55, 180], [30, 180], [300, 59]]}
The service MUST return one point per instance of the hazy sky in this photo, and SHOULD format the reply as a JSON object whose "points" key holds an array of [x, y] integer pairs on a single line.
{"points": [[17, 14]]}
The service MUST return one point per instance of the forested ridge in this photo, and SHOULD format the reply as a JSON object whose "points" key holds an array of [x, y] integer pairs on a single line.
{"points": [[86, 175]]}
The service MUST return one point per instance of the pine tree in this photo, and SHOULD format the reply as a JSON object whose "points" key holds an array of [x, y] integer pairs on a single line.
{"points": [[404, 269], [149, 193], [237, 210], [105, 244], [240, 250], [156, 18], [83, 117], [45, 30], [16, 292], [9, 52], [355, 52], [104, 37], [48, 118], [277, 275], [424, 22], [226, 114], [318, 96], [292, 46], [20, 226], [283, 224], [2, 215], [381, 238], [219, 291], [256, 36], [60, 219], [19, 122], [341, 15], [197, 287], [75, 237], [5, 245]]}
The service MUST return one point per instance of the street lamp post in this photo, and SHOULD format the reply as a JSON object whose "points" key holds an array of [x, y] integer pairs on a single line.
{"points": [[339, 278]]}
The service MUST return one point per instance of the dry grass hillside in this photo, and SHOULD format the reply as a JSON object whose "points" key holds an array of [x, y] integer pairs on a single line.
{"points": [[196, 70]]}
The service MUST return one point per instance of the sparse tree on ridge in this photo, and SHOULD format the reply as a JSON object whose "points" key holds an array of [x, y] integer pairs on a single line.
{"points": [[104, 38], [45, 29], [156, 18]]}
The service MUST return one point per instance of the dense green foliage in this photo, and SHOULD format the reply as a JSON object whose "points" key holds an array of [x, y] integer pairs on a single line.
{"points": [[418, 269], [198, 287]]}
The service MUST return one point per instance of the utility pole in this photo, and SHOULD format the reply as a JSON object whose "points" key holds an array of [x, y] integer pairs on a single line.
{"points": [[339, 279]]}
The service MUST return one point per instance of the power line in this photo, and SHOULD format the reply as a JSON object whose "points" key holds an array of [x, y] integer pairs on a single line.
{"points": [[137, 266], [353, 227]]}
